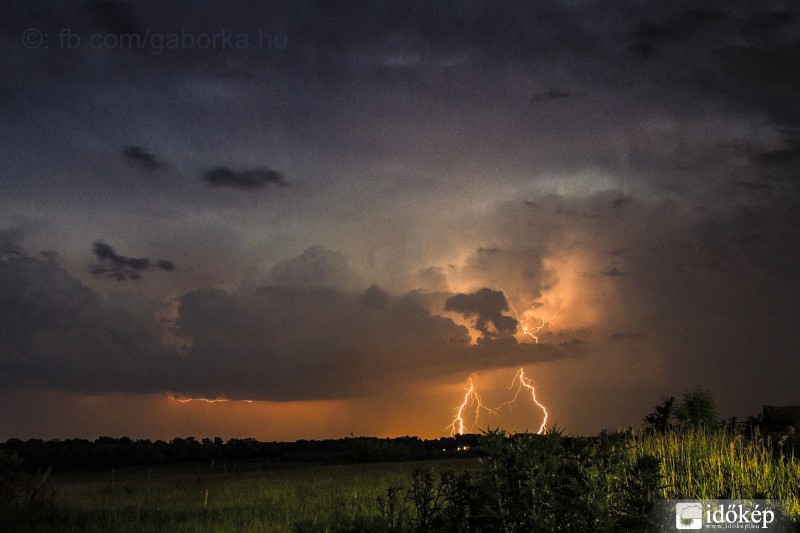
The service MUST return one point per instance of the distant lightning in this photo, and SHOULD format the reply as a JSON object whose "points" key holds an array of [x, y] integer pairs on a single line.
{"points": [[471, 397], [528, 384], [206, 400]]}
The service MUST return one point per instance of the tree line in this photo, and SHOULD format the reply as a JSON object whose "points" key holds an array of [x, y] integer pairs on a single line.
{"points": [[106, 453]]}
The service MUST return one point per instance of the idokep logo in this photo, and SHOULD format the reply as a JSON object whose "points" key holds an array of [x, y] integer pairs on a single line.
{"points": [[727, 514], [750, 515], [689, 515]]}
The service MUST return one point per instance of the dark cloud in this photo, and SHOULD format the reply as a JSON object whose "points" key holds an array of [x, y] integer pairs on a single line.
{"points": [[375, 296], [316, 267], [757, 240], [622, 335], [120, 267], [789, 156], [114, 16], [770, 25], [245, 179], [142, 158], [692, 276], [648, 37], [291, 343], [277, 343], [613, 272], [163, 264], [552, 94], [518, 270], [738, 71], [620, 201], [696, 146], [11, 242], [59, 334], [432, 278], [486, 306], [758, 186], [695, 20]]}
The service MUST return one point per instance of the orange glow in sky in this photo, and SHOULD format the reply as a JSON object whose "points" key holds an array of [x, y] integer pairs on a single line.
{"points": [[472, 400]]}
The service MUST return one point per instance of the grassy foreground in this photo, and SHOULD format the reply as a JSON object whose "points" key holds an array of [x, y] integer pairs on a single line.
{"points": [[523, 483], [189, 498], [698, 464]]}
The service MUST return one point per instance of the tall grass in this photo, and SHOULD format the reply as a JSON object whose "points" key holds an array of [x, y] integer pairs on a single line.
{"points": [[703, 464], [185, 499], [523, 483]]}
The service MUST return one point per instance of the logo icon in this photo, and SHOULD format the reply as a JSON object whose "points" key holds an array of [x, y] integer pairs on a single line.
{"points": [[688, 515]]}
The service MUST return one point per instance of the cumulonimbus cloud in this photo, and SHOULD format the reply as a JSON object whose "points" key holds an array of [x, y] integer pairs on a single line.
{"points": [[279, 342]]}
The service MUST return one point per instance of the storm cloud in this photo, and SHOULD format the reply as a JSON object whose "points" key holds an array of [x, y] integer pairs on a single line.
{"points": [[62, 335], [120, 267], [486, 306], [288, 342], [302, 343], [316, 267], [624, 175]]}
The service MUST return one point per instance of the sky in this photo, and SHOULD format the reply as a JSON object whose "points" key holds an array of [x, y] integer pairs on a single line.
{"points": [[332, 216]]}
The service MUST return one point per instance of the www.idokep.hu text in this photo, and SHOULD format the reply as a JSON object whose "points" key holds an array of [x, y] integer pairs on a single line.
{"points": [[156, 42]]}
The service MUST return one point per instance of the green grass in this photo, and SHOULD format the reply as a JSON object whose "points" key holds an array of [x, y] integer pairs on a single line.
{"points": [[519, 481], [697, 464], [273, 500]]}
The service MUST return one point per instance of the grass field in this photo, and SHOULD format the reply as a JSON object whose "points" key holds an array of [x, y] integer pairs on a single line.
{"points": [[697, 464], [541, 483], [192, 498]]}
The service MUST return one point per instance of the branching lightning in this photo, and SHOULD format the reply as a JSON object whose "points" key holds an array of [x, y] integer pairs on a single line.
{"points": [[526, 383], [532, 332], [471, 397]]}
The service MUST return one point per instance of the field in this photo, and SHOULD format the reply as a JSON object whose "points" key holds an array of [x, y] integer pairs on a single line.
{"points": [[522, 483], [249, 498]]}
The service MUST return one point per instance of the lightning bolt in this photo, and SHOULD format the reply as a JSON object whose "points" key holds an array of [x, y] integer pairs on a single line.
{"points": [[532, 332], [206, 400], [457, 426], [470, 398], [522, 382], [526, 383]]}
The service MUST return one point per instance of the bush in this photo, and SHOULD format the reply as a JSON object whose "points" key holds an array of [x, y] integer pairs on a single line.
{"points": [[23, 498], [541, 483], [611, 482], [698, 409]]}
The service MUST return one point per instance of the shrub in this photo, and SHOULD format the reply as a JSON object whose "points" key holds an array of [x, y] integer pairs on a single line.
{"points": [[698, 409], [542, 483], [23, 498]]}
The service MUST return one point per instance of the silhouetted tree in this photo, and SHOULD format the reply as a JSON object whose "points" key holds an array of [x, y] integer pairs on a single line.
{"points": [[698, 409], [661, 418]]}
